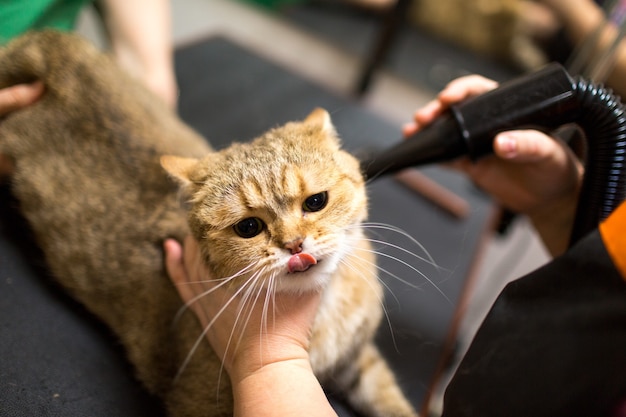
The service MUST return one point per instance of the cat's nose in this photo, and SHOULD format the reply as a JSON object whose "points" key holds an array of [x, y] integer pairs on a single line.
{"points": [[295, 246]]}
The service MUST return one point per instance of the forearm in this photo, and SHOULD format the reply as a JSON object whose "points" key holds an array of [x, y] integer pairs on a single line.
{"points": [[140, 32], [287, 388], [581, 18]]}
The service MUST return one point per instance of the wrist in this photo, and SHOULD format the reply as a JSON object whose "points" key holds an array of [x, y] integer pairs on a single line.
{"points": [[265, 356]]}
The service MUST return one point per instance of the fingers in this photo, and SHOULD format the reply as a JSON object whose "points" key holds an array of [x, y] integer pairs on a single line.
{"points": [[425, 116], [174, 264], [409, 129], [174, 261], [186, 283], [465, 87], [19, 96], [455, 92]]}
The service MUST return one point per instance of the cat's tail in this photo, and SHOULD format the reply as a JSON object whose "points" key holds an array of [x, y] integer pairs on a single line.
{"points": [[45, 55]]}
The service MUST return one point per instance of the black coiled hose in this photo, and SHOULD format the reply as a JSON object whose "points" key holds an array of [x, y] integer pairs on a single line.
{"points": [[602, 119]]}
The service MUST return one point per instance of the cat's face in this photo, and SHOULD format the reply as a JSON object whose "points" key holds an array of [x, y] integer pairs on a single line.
{"points": [[283, 210]]}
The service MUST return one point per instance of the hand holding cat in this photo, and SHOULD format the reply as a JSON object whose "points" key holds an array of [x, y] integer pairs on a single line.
{"points": [[267, 354], [287, 320], [280, 332], [531, 173]]}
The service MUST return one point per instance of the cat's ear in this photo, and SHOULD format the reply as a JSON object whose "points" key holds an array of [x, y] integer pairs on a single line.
{"points": [[178, 167], [320, 118]]}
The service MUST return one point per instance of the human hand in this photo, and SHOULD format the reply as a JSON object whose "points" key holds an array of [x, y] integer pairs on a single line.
{"points": [[247, 336], [530, 172], [11, 99], [19, 96], [266, 355]]}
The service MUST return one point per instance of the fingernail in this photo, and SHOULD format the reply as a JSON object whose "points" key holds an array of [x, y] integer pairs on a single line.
{"points": [[507, 145]]}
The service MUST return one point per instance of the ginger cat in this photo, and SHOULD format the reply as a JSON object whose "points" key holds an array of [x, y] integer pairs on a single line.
{"points": [[288, 205]]}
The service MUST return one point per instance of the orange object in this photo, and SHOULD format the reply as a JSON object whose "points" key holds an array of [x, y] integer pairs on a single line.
{"points": [[613, 231]]}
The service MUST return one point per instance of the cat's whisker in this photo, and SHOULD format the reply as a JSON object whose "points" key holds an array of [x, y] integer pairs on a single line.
{"points": [[208, 327], [189, 303], [374, 264], [429, 260], [250, 305], [391, 274], [263, 329], [251, 299], [369, 180], [244, 304], [222, 282], [401, 249], [391, 228], [381, 300], [269, 295], [251, 284], [239, 273], [408, 265]]}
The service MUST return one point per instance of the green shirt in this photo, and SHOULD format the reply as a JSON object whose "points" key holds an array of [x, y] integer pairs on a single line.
{"points": [[18, 16]]}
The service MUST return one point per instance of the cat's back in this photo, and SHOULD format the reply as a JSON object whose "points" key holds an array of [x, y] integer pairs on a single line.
{"points": [[88, 99], [87, 153], [95, 131]]}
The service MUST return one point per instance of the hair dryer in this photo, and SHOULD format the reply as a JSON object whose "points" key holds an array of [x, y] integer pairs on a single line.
{"points": [[545, 100]]}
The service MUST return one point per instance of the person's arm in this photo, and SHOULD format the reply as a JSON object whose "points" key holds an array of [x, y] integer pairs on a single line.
{"points": [[530, 173], [11, 99], [286, 388], [580, 19], [269, 365], [140, 32]]}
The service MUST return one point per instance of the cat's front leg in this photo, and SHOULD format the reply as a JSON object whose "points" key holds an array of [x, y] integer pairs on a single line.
{"points": [[372, 389]]}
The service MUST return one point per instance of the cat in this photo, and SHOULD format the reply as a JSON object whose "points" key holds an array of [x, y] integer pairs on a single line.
{"points": [[101, 166]]}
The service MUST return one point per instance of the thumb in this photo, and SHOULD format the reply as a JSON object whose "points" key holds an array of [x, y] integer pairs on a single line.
{"points": [[174, 261], [527, 146]]}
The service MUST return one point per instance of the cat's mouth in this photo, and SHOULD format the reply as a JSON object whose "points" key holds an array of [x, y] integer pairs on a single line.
{"points": [[300, 262]]}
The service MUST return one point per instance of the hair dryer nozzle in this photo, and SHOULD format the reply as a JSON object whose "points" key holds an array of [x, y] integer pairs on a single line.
{"points": [[440, 141]]}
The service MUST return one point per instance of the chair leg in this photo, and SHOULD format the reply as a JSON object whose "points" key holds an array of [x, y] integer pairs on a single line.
{"points": [[393, 22]]}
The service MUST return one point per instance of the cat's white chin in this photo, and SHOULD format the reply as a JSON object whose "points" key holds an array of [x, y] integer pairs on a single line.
{"points": [[314, 278]]}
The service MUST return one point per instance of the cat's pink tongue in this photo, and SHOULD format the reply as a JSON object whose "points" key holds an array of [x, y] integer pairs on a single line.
{"points": [[300, 262]]}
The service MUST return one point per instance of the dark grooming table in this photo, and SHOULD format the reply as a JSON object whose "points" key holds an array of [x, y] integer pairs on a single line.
{"points": [[56, 360]]}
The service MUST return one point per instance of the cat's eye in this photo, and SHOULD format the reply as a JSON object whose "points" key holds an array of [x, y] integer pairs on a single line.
{"points": [[249, 227], [316, 202]]}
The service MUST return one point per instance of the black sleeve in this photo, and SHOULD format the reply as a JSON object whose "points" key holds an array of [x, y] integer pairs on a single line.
{"points": [[553, 344]]}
